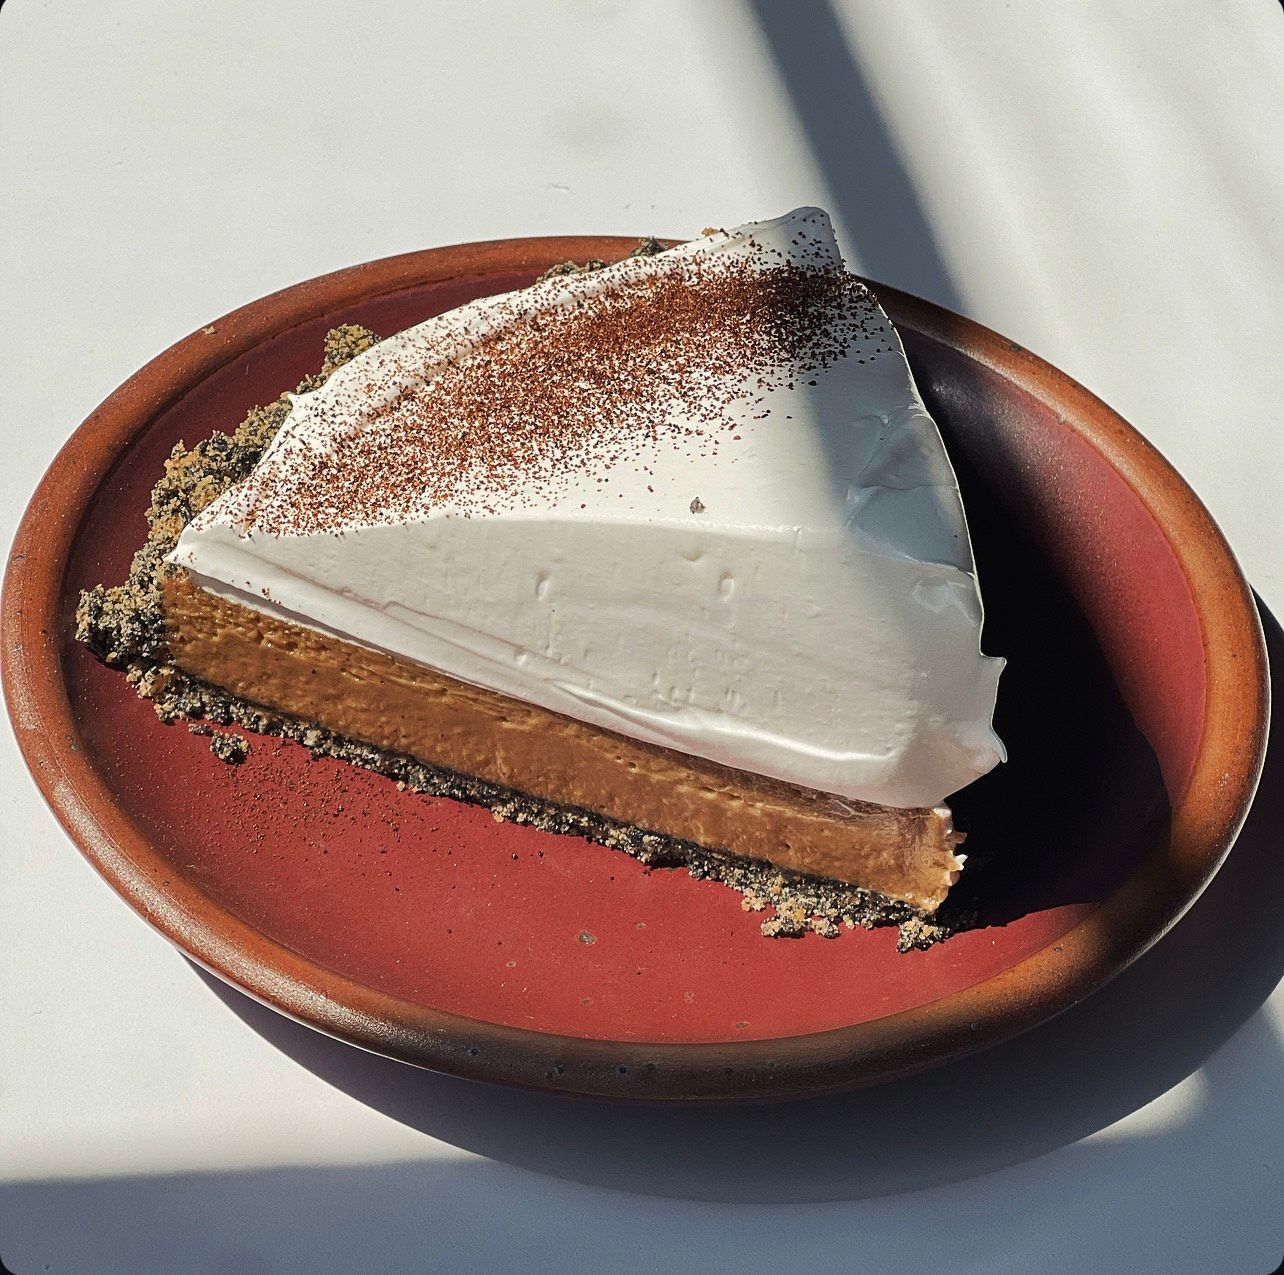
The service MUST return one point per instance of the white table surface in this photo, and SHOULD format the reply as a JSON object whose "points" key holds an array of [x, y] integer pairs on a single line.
{"points": [[1101, 182]]}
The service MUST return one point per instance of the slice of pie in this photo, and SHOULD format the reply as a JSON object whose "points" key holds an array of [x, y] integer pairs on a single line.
{"points": [[672, 541]]}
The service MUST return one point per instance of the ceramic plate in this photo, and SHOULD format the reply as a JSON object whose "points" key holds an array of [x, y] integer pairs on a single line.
{"points": [[1134, 708]]}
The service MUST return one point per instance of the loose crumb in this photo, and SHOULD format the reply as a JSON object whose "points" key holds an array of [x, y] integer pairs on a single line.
{"points": [[232, 749]]}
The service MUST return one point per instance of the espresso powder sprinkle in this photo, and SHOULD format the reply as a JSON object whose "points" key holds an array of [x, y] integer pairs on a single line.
{"points": [[566, 382]]}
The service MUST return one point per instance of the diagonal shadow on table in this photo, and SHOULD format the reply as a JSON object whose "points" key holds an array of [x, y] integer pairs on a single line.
{"points": [[1107, 1057], [871, 192]]}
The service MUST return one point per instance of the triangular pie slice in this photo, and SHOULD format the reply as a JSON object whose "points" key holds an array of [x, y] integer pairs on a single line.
{"points": [[674, 541]]}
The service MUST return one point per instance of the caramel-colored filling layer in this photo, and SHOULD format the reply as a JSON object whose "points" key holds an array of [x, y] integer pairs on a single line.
{"points": [[402, 706]]}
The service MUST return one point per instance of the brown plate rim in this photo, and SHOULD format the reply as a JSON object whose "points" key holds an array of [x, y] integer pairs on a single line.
{"points": [[1133, 917]]}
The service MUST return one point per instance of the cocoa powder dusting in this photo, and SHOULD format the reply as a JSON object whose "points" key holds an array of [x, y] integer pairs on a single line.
{"points": [[571, 382]]}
